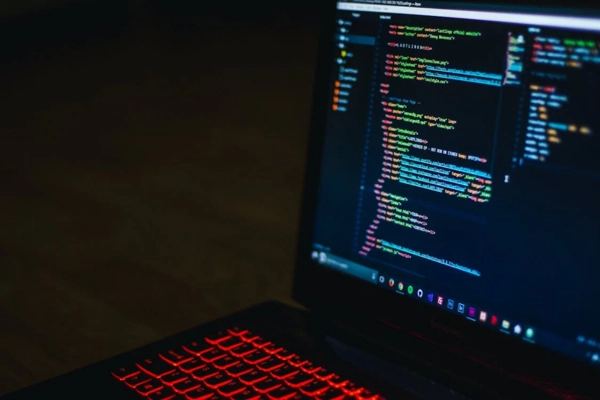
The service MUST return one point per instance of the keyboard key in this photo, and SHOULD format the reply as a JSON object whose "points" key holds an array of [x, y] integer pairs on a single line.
{"points": [[282, 393], [237, 331], [137, 380], [310, 368], [243, 350], [260, 342], [284, 354], [351, 389], [323, 374], [192, 365], [205, 372], [257, 357], [284, 372], [267, 385], [270, 364], [186, 386], [201, 393], [176, 357], [125, 372], [248, 394], [212, 355], [249, 337], [367, 395], [225, 362], [272, 348], [253, 377], [238, 369], [337, 382], [300, 380], [155, 367], [314, 388], [151, 386], [173, 378], [162, 394], [297, 361], [232, 388], [217, 337], [230, 343], [218, 380], [197, 348], [333, 394], [300, 396]]}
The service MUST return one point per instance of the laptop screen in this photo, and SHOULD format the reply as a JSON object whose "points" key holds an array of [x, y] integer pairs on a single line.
{"points": [[461, 164]]}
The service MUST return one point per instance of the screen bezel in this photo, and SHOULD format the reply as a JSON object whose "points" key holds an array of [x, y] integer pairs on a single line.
{"points": [[334, 295]]}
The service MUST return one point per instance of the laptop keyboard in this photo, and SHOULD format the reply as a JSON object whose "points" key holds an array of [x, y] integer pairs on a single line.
{"points": [[235, 364]]}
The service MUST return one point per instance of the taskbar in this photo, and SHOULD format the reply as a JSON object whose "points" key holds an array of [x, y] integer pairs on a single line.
{"points": [[396, 282]]}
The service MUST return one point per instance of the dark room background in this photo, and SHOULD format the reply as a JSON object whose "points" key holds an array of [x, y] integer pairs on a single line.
{"points": [[151, 161]]}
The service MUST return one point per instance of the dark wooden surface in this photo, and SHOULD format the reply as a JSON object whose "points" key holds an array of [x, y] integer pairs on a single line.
{"points": [[149, 182]]}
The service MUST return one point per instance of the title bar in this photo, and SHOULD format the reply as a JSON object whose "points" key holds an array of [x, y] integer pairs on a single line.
{"points": [[578, 23]]}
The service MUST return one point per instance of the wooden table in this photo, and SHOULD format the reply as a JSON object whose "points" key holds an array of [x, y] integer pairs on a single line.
{"points": [[150, 182]]}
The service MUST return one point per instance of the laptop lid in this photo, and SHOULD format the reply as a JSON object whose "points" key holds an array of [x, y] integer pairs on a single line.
{"points": [[453, 176]]}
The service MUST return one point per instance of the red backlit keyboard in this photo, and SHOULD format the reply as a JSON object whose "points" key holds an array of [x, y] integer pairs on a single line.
{"points": [[236, 364]]}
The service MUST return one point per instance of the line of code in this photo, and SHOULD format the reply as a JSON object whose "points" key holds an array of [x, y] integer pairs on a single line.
{"points": [[422, 32]]}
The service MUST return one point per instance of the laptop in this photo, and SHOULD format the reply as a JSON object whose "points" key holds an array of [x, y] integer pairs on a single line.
{"points": [[449, 235]]}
